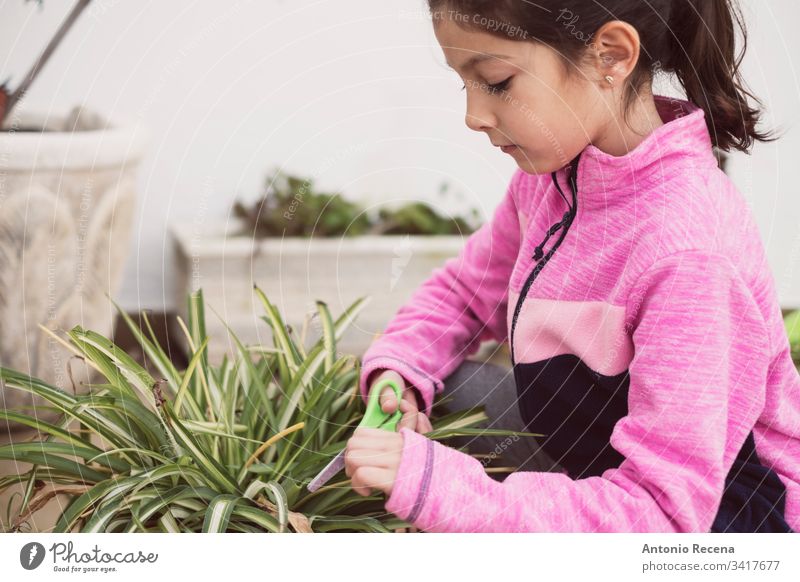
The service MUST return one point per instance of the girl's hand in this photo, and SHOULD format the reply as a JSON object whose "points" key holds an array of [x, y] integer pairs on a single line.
{"points": [[412, 418], [372, 455], [371, 459]]}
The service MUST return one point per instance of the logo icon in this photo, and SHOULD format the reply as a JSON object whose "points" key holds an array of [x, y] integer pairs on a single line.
{"points": [[31, 555]]}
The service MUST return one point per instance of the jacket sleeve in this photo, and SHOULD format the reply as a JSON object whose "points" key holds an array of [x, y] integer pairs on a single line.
{"points": [[462, 304], [697, 386]]}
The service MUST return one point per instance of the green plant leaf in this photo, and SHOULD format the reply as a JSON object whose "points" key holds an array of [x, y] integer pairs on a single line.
{"points": [[219, 513], [201, 457], [152, 349], [282, 339], [276, 494], [257, 516], [328, 334], [25, 454]]}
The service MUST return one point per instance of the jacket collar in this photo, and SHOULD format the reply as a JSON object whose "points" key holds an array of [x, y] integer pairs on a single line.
{"points": [[604, 180]]}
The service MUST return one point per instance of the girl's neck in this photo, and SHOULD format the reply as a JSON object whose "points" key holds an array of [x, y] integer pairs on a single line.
{"points": [[618, 137]]}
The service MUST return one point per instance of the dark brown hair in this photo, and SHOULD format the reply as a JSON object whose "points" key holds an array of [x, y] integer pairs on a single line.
{"points": [[694, 39]]}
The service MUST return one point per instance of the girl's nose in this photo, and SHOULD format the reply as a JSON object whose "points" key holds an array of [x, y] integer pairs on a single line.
{"points": [[479, 116]]}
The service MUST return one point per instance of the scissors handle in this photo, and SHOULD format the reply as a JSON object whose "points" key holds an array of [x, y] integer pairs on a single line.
{"points": [[375, 417]]}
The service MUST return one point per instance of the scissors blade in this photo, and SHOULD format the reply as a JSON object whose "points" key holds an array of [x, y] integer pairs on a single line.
{"points": [[336, 465]]}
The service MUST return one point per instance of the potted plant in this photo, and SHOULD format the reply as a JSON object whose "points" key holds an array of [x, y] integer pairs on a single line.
{"points": [[68, 180], [297, 244], [212, 448]]}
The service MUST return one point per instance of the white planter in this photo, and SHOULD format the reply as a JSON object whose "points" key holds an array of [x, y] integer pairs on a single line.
{"points": [[67, 201], [295, 272]]}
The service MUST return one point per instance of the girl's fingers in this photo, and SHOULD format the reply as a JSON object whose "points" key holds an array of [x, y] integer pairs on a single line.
{"points": [[423, 423], [364, 436], [371, 459], [408, 406], [409, 421], [370, 445], [364, 479], [414, 419], [389, 400], [368, 457], [358, 484]]}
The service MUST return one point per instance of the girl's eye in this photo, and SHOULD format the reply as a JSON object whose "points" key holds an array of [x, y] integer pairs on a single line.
{"points": [[502, 86], [494, 89]]}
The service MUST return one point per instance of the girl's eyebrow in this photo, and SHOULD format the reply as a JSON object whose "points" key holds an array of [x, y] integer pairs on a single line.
{"points": [[477, 59]]}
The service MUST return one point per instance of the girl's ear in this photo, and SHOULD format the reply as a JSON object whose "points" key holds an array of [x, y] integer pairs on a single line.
{"points": [[616, 47]]}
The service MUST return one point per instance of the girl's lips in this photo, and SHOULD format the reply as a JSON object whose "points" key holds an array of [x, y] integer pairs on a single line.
{"points": [[508, 149]]}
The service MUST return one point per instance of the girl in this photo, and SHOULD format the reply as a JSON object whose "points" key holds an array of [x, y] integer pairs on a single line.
{"points": [[627, 273]]}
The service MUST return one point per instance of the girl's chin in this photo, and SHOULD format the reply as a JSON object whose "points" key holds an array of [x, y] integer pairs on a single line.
{"points": [[525, 162], [522, 156], [532, 165]]}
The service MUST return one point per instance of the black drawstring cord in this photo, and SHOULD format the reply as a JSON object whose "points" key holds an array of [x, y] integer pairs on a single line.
{"points": [[539, 250]]}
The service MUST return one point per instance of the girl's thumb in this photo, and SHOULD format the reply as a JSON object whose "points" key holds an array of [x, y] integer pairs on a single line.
{"points": [[388, 400]]}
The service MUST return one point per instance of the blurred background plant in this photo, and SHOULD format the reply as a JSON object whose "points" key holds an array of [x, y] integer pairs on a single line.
{"points": [[290, 206], [791, 321]]}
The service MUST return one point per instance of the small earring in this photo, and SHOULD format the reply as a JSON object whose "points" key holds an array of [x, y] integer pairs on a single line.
{"points": [[610, 79]]}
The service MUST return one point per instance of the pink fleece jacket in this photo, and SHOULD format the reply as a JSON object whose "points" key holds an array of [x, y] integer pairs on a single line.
{"points": [[647, 345]]}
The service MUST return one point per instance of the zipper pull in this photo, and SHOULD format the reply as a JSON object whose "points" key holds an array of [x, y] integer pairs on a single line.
{"points": [[538, 253]]}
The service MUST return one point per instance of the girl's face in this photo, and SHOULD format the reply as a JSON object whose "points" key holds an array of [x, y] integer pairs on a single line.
{"points": [[519, 95]]}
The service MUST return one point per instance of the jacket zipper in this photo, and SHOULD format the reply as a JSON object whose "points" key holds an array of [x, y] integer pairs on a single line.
{"points": [[566, 222]]}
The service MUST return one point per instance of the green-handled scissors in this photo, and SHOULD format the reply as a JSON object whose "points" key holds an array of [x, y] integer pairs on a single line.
{"points": [[374, 417]]}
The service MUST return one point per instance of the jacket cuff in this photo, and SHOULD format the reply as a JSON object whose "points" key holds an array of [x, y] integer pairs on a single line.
{"points": [[412, 482], [424, 383]]}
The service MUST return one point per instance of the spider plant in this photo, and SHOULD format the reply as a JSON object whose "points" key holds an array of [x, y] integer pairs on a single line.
{"points": [[212, 448]]}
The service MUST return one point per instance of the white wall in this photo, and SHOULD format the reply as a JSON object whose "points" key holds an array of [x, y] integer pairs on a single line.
{"points": [[769, 176], [353, 93]]}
